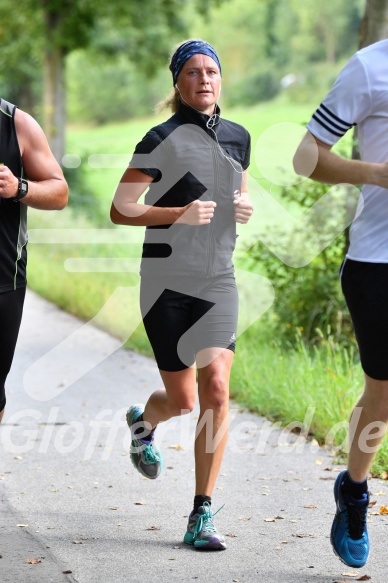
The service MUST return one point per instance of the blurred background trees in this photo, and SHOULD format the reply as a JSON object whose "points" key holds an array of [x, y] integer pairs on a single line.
{"points": [[89, 61]]}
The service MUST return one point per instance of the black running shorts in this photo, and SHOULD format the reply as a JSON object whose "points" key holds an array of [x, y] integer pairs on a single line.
{"points": [[183, 315], [11, 309], [365, 287]]}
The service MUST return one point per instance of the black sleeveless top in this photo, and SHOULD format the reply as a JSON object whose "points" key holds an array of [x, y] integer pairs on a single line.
{"points": [[13, 215]]}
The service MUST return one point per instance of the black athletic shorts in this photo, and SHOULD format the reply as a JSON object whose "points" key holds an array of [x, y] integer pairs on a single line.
{"points": [[365, 287], [11, 310], [183, 315]]}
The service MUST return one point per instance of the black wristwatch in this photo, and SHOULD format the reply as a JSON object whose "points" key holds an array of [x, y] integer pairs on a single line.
{"points": [[22, 190]]}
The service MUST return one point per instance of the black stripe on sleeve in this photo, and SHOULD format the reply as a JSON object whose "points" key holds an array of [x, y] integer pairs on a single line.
{"points": [[320, 115], [329, 129], [345, 123]]}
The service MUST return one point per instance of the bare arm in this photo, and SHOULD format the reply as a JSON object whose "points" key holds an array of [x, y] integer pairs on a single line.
{"points": [[315, 159], [126, 210], [47, 188]]}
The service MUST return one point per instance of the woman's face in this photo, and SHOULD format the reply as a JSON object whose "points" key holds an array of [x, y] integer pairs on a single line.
{"points": [[199, 83]]}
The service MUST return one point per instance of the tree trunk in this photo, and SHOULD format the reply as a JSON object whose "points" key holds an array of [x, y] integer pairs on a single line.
{"points": [[54, 101], [374, 26]]}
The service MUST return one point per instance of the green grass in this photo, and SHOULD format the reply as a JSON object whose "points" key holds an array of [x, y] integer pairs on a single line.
{"points": [[281, 384], [313, 387]]}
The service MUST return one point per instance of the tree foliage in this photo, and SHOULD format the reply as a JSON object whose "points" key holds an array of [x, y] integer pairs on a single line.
{"points": [[56, 27], [308, 301]]}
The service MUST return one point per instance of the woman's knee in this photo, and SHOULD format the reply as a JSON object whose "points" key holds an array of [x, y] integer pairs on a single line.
{"points": [[182, 404], [214, 392]]}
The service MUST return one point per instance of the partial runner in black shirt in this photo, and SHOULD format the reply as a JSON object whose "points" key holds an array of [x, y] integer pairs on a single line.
{"points": [[194, 166], [29, 176]]}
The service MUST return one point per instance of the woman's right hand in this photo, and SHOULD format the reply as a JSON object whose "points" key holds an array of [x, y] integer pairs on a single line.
{"points": [[199, 212]]}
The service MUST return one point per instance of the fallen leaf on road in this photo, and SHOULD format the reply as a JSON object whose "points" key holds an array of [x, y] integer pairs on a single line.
{"points": [[22, 525], [310, 506], [372, 503], [245, 518], [153, 528], [383, 510], [319, 462], [231, 535], [114, 508], [67, 572], [77, 542], [351, 574], [269, 520], [305, 535], [363, 578], [32, 561], [140, 503], [177, 447], [279, 517]]}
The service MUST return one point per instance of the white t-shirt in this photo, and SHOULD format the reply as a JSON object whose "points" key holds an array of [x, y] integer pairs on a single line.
{"points": [[360, 97]]}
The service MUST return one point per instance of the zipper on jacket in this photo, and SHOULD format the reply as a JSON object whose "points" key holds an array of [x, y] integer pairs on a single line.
{"points": [[210, 246]]}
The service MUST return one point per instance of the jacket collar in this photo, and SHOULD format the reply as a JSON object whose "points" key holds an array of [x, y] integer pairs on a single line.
{"points": [[190, 115]]}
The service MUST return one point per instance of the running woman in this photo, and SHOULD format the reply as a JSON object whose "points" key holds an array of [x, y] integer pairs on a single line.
{"points": [[194, 166]]}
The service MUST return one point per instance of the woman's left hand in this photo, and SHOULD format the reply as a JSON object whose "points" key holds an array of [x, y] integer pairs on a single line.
{"points": [[243, 210]]}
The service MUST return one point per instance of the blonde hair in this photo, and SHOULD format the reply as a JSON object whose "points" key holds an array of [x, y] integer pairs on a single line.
{"points": [[171, 101]]}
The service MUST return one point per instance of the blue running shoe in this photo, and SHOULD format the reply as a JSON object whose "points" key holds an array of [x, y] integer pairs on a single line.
{"points": [[349, 535], [201, 531], [145, 455]]}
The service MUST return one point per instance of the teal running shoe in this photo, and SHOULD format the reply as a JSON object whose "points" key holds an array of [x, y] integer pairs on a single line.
{"points": [[349, 535], [201, 531], [145, 455]]}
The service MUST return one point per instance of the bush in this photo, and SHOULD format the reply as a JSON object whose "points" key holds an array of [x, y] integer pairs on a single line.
{"points": [[82, 199], [309, 298], [261, 86]]}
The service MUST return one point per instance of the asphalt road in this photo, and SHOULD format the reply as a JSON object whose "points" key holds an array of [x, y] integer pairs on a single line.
{"points": [[74, 509]]}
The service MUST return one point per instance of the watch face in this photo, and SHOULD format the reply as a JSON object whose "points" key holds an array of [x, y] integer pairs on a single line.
{"points": [[23, 186]]}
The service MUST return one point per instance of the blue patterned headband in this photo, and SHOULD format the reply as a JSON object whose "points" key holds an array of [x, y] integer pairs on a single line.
{"points": [[187, 50]]}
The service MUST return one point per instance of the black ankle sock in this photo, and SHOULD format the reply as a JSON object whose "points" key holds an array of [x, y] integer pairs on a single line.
{"points": [[354, 489], [142, 431], [199, 500]]}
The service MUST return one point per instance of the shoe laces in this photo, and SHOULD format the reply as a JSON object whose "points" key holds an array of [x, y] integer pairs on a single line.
{"points": [[205, 521], [356, 511], [149, 455]]}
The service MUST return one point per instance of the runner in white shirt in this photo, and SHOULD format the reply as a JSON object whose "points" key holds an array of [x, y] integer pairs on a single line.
{"points": [[359, 97]]}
